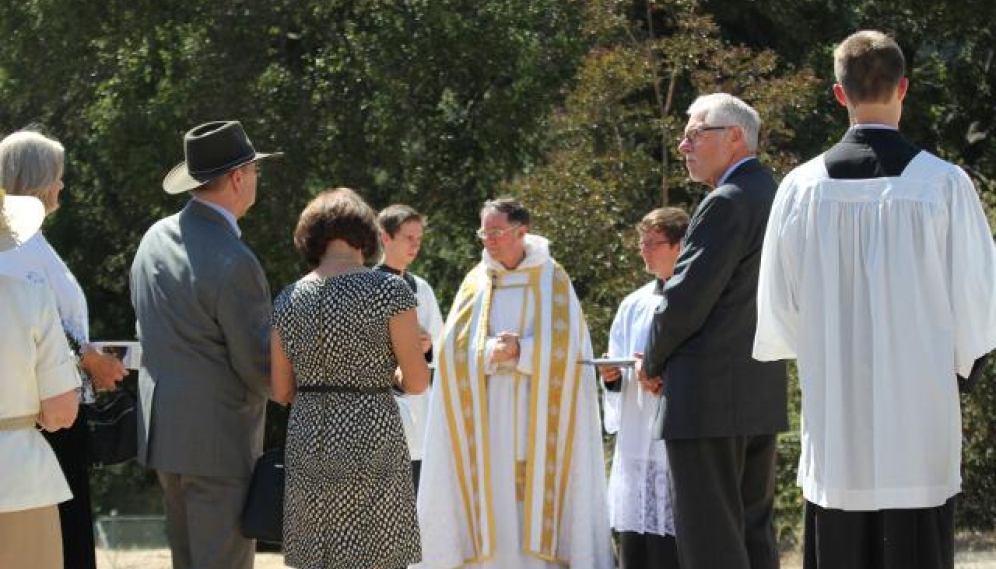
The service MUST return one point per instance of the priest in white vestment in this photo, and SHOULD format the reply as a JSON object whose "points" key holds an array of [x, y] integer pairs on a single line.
{"points": [[513, 474], [878, 274], [640, 508]]}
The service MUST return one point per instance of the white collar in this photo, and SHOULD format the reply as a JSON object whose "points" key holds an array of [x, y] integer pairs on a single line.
{"points": [[229, 216], [872, 126], [537, 253]]}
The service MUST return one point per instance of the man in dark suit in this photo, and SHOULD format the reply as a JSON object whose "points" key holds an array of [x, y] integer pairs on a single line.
{"points": [[721, 410], [203, 308]]}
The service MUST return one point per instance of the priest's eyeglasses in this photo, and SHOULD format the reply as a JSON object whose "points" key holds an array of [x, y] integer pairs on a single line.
{"points": [[692, 135], [495, 232]]}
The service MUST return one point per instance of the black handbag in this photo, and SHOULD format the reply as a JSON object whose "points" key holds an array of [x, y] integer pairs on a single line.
{"points": [[263, 512], [112, 427]]}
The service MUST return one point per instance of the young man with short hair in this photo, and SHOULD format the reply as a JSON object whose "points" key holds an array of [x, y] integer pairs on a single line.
{"points": [[877, 275], [401, 231], [640, 508]]}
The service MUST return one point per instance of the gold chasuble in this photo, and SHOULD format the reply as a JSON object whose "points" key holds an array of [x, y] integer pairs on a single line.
{"points": [[561, 392]]}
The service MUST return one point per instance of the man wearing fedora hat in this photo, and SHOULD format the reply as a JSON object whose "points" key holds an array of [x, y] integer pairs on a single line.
{"points": [[203, 308]]}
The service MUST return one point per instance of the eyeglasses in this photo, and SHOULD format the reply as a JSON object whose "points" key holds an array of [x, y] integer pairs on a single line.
{"points": [[693, 134], [645, 244], [496, 232]]}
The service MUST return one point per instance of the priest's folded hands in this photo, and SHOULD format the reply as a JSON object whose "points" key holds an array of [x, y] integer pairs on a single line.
{"points": [[506, 349]]}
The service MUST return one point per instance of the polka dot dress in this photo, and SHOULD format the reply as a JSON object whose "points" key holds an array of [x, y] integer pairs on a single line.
{"points": [[349, 501]]}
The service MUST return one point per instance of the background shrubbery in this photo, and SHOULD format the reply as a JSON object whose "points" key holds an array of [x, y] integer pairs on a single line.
{"points": [[572, 105]]}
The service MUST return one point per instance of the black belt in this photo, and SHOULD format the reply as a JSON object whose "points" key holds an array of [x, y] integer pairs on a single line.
{"points": [[342, 389]]}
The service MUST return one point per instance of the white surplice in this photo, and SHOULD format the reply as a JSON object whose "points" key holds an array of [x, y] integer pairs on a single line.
{"points": [[639, 484], [414, 408], [449, 540], [882, 289]]}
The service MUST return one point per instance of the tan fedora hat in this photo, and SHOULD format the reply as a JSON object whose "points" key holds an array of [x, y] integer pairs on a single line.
{"points": [[20, 218], [210, 150]]}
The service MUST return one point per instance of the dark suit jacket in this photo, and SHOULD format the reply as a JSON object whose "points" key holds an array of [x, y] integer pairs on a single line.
{"points": [[703, 333], [203, 308]]}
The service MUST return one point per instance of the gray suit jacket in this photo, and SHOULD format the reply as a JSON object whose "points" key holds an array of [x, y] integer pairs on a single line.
{"points": [[703, 333], [203, 307]]}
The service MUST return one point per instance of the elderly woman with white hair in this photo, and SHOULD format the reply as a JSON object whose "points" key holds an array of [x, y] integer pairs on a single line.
{"points": [[32, 164], [37, 387]]}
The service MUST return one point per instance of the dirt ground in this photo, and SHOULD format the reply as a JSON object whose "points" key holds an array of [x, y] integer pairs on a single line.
{"points": [[975, 551], [159, 559]]}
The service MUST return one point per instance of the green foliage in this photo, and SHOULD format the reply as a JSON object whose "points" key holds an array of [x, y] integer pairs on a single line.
{"points": [[125, 489], [788, 499], [430, 103], [976, 508], [949, 52], [789, 503], [611, 149]]}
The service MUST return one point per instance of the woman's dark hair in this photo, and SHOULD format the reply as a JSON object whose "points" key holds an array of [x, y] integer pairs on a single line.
{"points": [[335, 214]]}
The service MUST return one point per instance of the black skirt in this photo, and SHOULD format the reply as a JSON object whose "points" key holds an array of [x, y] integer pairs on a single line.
{"points": [[75, 515]]}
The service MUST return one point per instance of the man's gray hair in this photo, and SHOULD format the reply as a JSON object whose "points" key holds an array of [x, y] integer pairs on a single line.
{"points": [[511, 207], [723, 109], [30, 162]]}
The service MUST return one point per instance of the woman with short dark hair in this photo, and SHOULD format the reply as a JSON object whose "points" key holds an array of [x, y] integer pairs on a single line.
{"points": [[337, 214], [339, 334]]}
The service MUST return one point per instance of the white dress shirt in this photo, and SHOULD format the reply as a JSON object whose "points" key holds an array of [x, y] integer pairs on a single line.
{"points": [[229, 216]]}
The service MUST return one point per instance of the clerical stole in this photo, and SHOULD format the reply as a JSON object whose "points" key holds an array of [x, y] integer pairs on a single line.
{"points": [[558, 335]]}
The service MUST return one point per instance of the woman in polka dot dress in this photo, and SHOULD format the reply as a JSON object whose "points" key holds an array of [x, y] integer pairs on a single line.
{"points": [[339, 334]]}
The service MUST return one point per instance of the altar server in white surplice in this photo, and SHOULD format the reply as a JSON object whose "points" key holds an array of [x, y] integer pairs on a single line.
{"points": [[401, 230], [640, 508], [513, 474], [878, 274]]}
